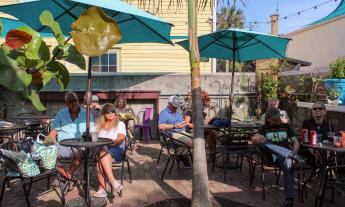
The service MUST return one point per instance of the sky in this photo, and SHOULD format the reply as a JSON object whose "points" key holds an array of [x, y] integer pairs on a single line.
{"points": [[260, 11]]}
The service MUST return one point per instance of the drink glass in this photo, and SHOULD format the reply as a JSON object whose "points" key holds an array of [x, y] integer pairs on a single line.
{"points": [[94, 136], [330, 136]]}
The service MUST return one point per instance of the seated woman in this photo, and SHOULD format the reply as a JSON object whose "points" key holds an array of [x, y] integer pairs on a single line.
{"points": [[126, 114], [109, 126], [319, 122], [321, 125]]}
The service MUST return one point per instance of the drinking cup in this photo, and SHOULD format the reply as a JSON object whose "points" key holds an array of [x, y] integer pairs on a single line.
{"points": [[94, 136]]}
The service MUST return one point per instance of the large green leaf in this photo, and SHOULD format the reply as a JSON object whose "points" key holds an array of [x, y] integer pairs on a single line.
{"points": [[33, 96], [60, 72], [47, 19], [11, 76], [94, 32], [70, 54], [34, 45]]}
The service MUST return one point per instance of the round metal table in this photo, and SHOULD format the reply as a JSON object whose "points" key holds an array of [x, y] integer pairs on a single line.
{"points": [[86, 145]]}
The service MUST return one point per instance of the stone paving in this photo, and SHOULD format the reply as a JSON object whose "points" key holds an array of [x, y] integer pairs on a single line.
{"points": [[147, 188]]}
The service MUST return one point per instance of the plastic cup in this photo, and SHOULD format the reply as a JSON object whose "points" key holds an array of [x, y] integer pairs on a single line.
{"points": [[330, 136], [94, 136]]}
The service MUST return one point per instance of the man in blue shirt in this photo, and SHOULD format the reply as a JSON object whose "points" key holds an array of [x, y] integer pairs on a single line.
{"points": [[170, 119], [69, 123]]}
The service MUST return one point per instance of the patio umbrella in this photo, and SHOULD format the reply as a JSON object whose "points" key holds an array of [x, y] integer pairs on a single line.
{"points": [[136, 25], [239, 46]]}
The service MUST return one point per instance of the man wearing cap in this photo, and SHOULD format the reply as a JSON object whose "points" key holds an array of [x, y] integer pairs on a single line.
{"points": [[170, 119], [273, 142], [95, 108]]}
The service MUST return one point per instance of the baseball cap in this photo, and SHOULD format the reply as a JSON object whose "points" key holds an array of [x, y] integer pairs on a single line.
{"points": [[175, 101], [95, 98], [273, 113]]}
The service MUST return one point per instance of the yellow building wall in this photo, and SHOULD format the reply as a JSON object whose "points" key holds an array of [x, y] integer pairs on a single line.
{"points": [[153, 57]]}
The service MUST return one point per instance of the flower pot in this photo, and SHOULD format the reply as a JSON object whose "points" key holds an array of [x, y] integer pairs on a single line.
{"points": [[333, 100], [339, 85]]}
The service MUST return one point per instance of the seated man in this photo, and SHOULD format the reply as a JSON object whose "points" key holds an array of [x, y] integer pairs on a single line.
{"points": [[273, 139], [274, 102], [69, 122], [170, 119]]}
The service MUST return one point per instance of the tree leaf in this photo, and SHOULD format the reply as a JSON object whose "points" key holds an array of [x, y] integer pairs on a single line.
{"points": [[34, 45], [70, 54], [47, 19], [60, 73], [46, 77], [16, 39], [94, 32], [33, 96], [11, 76]]}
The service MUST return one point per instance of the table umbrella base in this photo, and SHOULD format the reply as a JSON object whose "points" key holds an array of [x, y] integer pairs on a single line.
{"points": [[80, 202]]}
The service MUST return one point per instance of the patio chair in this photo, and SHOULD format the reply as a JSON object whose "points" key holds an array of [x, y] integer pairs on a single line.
{"points": [[12, 172], [144, 123], [233, 143], [332, 177], [162, 143], [176, 150], [267, 165]]}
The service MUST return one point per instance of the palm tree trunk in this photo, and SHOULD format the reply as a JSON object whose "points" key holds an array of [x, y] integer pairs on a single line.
{"points": [[200, 194]]}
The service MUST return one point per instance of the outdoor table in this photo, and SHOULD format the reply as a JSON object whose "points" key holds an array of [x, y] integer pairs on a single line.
{"points": [[12, 130], [323, 148], [25, 118], [86, 146]]}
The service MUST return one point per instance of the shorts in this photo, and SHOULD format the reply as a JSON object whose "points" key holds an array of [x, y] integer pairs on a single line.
{"points": [[65, 152], [116, 153]]}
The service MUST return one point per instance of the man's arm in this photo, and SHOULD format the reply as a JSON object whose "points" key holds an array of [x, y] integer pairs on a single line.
{"points": [[258, 139]]}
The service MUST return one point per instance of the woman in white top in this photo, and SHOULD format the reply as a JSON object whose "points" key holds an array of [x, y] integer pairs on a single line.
{"points": [[109, 126]]}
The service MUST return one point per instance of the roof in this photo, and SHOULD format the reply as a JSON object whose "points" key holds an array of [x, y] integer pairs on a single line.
{"points": [[296, 62], [339, 11]]}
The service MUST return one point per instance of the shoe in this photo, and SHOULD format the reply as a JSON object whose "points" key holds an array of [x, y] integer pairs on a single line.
{"points": [[288, 202], [101, 193], [117, 187]]}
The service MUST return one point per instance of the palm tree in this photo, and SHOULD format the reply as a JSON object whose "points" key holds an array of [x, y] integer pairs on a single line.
{"points": [[229, 17], [200, 194]]}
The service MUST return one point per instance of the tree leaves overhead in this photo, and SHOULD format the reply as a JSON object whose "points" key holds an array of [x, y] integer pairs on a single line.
{"points": [[47, 19], [60, 72], [33, 47], [94, 32], [11, 76], [70, 54], [16, 39], [33, 96]]}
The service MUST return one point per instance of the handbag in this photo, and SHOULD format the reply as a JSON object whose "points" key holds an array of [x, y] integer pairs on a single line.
{"points": [[47, 154]]}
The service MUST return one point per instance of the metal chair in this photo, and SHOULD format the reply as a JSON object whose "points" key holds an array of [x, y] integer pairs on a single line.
{"points": [[12, 172], [235, 142], [176, 149]]}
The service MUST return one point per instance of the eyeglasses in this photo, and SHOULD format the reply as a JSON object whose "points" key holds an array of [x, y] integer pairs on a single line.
{"points": [[318, 109], [72, 101], [109, 111]]}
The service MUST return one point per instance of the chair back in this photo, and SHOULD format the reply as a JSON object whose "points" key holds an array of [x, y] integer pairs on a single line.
{"points": [[144, 116], [166, 141], [10, 164]]}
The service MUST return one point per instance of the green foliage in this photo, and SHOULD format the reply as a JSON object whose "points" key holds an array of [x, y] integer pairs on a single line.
{"points": [[338, 68], [28, 68], [270, 86], [332, 92]]}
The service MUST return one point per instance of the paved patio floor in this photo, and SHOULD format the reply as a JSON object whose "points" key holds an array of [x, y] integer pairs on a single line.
{"points": [[147, 188]]}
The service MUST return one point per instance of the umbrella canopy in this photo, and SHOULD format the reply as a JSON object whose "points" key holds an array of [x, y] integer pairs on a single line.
{"points": [[135, 24], [239, 46], [8, 24]]}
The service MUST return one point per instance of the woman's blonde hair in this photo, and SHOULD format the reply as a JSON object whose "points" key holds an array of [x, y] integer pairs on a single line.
{"points": [[116, 102], [100, 121]]}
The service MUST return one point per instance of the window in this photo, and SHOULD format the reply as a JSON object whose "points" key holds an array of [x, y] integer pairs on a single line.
{"points": [[108, 62]]}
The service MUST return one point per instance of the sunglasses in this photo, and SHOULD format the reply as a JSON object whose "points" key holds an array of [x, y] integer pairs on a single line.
{"points": [[318, 109], [72, 101], [109, 111]]}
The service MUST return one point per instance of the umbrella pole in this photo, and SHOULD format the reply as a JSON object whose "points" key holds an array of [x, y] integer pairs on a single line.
{"points": [[87, 137], [232, 75]]}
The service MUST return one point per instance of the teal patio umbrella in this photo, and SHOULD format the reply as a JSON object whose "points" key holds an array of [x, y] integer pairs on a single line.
{"points": [[136, 26], [239, 45]]}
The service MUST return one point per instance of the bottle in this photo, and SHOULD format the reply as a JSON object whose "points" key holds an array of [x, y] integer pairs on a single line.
{"points": [[304, 137], [313, 137]]}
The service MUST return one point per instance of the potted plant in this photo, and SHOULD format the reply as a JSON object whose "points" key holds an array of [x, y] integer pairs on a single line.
{"points": [[337, 80], [333, 96]]}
